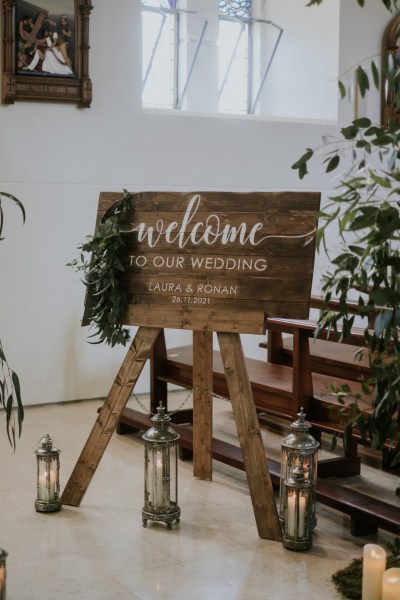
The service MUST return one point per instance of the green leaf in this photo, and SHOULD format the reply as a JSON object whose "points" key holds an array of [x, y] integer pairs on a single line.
{"points": [[362, 80], [363, 122], [350, 132], [375, 74], [303, 159], [333, 163], [382, 321], [382, 181], [342, 90]]}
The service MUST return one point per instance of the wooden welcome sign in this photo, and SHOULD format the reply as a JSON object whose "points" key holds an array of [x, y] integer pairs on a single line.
{"points": [[216, 261], [208, 261]]}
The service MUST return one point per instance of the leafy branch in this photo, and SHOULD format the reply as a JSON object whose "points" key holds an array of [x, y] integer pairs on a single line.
{"points": [[365, 210], [100, 262], [10, 389]]}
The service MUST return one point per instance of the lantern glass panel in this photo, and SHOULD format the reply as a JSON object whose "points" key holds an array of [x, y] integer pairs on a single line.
{"points": [[47, 478]]}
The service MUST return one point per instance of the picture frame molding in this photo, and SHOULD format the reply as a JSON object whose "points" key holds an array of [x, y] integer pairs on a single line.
{"points": [[48, 88]]}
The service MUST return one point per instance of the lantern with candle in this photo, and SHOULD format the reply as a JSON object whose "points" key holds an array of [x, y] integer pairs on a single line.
{"points": [[161, 471], [298, 486], [48, 470]]}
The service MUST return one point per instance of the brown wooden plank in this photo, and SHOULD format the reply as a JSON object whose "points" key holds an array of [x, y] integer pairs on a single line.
{"points": [[248, 427], [202, 404], [197, 319], [158, 388], [247, 201], [274, 306], [107, 419], [260, 287], [215, 264], [302, 378]]}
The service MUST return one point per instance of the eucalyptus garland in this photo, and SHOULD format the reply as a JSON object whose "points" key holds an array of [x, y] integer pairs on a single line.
{"points": [[101, 263]]}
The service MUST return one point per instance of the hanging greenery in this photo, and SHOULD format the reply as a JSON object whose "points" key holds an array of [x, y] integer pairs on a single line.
{"points": [[10, 389], [366, 212], [100, 262]]}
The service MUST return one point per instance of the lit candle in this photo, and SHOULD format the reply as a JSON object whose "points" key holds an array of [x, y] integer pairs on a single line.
{"points": [[292, 515], [391, 584], [47, 485], [374, 565], [2, 583], [159, 479]]}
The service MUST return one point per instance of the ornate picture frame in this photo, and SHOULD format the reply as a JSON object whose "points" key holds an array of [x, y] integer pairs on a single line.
{"points": [[390, 48], [46, 51]]}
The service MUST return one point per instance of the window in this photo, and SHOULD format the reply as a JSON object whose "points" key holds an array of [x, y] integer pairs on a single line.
{"points": [[159, 32], [207, 56]]}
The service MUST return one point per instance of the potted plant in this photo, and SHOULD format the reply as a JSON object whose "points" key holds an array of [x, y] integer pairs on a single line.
{"points": [[10, 391]]}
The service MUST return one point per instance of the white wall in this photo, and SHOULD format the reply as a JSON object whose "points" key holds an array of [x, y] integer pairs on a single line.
{"points": [[57, 158]]}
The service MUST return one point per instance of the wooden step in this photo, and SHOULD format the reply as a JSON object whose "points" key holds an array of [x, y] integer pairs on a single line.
{"points": [[271, 385], [329, 358]]}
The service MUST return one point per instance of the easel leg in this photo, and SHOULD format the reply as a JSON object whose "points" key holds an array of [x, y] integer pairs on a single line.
{"points": [[202, 404], [158, 388], [109, 414], [248, 428]]}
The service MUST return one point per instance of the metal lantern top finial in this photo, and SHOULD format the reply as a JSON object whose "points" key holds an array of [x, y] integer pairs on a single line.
{"points": [[161, 416], [46, 447], [161, 432], [300, 438], [301, 424]]}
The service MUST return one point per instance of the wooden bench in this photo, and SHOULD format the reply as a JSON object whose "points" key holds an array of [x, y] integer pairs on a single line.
{"points": [[327, 355], [280, 387], [367, 514]]}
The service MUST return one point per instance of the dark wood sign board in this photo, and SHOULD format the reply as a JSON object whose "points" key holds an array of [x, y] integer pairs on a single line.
{"points": [[208, 261], [217, 261]]}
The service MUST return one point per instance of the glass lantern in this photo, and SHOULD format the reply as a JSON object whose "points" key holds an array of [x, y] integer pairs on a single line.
{"points": [[161, 471], [3, 574], [48, 471], [298, 486]]}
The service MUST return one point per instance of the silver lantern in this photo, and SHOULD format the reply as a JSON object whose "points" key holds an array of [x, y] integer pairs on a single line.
{"points": [[48, 472], [3, 574], [161, 471], [298, 486]]}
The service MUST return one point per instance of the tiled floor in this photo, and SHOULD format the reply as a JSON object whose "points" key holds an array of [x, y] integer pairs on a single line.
{"points": [[100, 551]]}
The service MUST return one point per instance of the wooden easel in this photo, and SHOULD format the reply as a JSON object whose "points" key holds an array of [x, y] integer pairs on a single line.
{"points": [[183, 262], [244, 411]]}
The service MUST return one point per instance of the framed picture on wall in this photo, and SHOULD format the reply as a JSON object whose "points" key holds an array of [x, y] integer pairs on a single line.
{"points": [[391, 58], [46, 51]]}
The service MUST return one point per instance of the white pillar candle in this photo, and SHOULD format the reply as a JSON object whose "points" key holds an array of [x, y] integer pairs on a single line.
{"points": [[391, 584], [292, 515], [374, 565], [47, 485], [2, 583], [159, 479]]}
